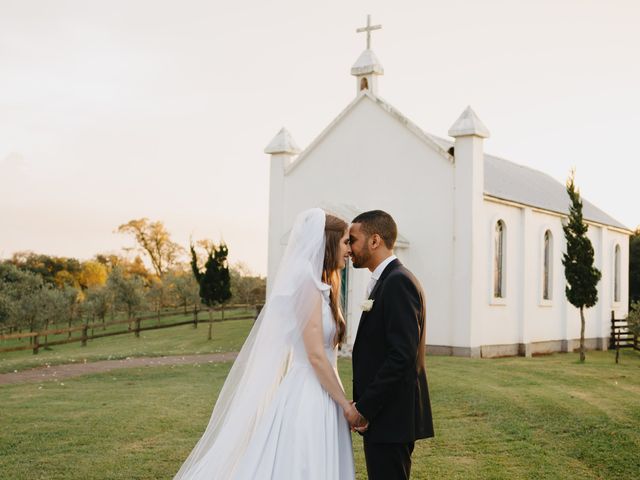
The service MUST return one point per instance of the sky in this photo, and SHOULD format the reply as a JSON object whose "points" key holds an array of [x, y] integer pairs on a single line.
{"points": [[115, 110]]}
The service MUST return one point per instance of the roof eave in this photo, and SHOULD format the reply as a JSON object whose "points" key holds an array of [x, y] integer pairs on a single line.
{"points": [[619, 228]]}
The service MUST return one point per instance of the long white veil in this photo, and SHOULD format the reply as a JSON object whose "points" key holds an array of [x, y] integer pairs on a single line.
{"points": [[264, 357]]}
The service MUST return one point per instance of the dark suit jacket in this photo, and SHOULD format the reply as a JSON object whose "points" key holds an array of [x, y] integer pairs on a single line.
{"points": [[389, 378]]}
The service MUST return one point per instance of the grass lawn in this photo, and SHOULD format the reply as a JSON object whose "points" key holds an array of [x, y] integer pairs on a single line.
{"points": [[515, 418], [228, 336]]}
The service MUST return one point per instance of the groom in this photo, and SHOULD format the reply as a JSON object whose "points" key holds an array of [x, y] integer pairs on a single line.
{"points": [[389, 380]]}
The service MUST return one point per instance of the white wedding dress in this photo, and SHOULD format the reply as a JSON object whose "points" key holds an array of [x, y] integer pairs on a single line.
{"points": [[304, 434], [273, 420]]}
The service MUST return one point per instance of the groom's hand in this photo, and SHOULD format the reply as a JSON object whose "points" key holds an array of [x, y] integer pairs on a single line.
{"points": [[356, 421]]}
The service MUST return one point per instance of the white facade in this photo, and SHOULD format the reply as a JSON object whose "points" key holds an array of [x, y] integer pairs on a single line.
{"points": [[447, 204]]}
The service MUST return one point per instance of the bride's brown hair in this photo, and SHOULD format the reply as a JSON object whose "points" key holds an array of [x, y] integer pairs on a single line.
{"points": [[334, 230]]}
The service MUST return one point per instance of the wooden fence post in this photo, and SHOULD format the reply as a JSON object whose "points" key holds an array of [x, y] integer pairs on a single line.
{"points": [[36, 345], [138, 327], [209, 335], [85, 327], [613, 334], [195, 316]]}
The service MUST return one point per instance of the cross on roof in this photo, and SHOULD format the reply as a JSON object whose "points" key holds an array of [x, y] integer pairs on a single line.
{"points": [[368, 29]]}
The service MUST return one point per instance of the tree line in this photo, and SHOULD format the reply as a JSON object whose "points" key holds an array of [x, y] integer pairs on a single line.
{"points": [[38, 290]]}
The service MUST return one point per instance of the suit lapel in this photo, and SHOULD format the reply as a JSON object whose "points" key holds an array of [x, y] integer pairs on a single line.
{"points": [[372, 296], [385, 273]]}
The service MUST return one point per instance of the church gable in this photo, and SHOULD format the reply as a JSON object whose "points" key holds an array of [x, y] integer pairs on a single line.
{"points": [[368, 148], [385, 108]]}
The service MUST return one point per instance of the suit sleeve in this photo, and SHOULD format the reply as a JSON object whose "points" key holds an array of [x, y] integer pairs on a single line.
{"points": [[401, 312]]}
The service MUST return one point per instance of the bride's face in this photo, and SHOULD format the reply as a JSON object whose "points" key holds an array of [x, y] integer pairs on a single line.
{"points": [[345, 250]]}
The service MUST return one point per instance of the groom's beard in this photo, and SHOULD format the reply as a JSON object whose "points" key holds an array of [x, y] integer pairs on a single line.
{"points": [[361, 259]]}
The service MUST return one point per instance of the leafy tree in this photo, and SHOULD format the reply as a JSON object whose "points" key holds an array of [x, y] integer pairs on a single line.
{"points": [[22, 292], [65, 278], [110, 260], [214, 279], [92, 274], [155, 295], [153, 240], [633, 319], [129, 267], [7, 307], [57, 271], [70, 301], [582, 277], [136, 267], [57, 306], [634, 267], [246, 287], [98, 302], [183, 288], [127, 291], [223, 290]]}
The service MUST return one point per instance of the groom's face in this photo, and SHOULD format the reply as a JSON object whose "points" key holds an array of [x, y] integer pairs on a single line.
{"points": [[360, 252]]}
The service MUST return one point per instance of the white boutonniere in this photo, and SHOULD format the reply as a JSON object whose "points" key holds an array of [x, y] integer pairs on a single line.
{"points": [[366, 305]]}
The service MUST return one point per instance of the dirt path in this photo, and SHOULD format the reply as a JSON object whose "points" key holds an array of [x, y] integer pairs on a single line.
{"points": [[58, 372]]}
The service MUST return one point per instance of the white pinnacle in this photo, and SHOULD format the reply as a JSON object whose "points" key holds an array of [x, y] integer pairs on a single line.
{"points": [[469, 124], [367, 63], [282, 143]]}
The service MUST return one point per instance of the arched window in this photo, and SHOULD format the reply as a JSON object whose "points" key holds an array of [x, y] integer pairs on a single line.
{"points": [[499, 262], [364, 84], [616, 275], [547, 267]]}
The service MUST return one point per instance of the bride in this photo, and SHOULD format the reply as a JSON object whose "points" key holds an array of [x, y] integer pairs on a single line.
{"points": [[281, 412]]}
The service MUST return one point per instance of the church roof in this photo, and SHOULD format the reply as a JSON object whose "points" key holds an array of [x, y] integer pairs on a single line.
{"points": [[507, 180], [503, 179], [510, 181]]}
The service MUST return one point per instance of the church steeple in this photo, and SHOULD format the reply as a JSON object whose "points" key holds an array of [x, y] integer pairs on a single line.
{"points": [[367, 67]]}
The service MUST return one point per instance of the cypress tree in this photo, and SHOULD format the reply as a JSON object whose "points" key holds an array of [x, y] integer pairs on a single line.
{"points": [[582, 277], [214, 281]]}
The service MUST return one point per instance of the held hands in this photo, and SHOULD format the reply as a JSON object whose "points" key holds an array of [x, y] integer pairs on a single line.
{"points": [[356, 421]]}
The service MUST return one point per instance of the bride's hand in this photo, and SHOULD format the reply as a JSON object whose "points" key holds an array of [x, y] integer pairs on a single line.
{"points": [[355, 419]]}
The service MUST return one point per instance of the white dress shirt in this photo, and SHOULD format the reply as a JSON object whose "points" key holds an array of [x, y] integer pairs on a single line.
{"points": [[377, 272]]}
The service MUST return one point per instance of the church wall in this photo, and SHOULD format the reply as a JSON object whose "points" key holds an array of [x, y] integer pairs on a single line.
{"points": [[499, 318], [369, 160], [545, 318], [525, 320], [607, 239]]}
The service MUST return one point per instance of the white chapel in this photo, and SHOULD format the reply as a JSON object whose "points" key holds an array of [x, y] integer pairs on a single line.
{"points": [[482, 234]]}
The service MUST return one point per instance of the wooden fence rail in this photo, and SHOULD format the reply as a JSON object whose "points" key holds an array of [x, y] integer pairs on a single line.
{"points": [[621, 336], [135, 326]]}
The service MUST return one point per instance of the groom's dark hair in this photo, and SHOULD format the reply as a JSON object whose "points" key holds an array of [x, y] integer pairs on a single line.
{"points": [[377, 221]]}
